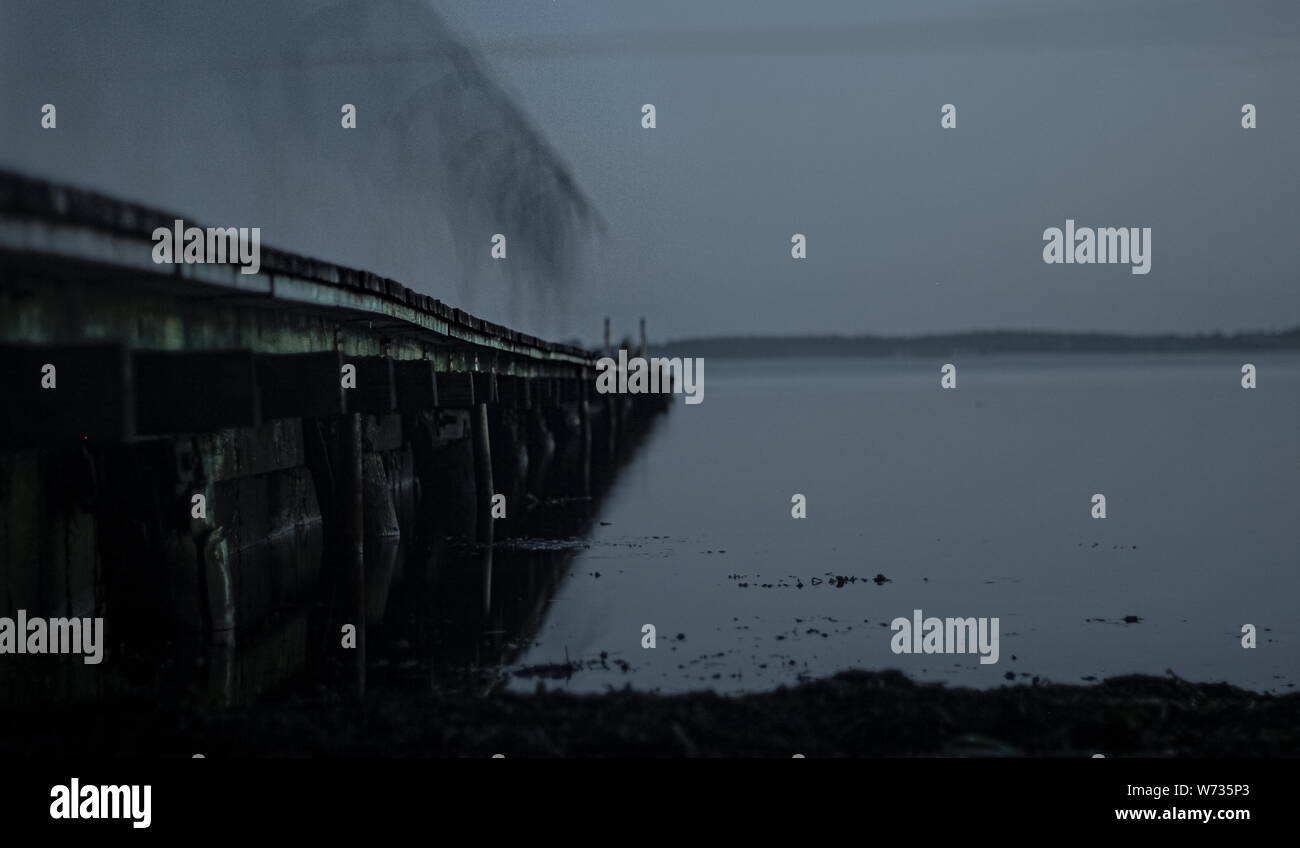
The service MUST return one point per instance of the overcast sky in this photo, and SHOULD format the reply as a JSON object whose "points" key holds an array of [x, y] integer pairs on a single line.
{"points": [[773, 118]]}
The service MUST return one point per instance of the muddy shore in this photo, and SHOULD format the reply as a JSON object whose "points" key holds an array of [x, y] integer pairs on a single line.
{"points": [[854, 714]]}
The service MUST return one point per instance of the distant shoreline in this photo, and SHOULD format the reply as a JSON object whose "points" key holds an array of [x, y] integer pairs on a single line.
{"points": [[984, 342]]}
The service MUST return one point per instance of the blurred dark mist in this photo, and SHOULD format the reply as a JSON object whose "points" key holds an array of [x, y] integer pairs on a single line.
{"points": [[230, 113]]}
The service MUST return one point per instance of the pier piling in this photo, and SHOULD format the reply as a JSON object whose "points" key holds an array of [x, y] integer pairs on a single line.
{"points": [[352, 513]]}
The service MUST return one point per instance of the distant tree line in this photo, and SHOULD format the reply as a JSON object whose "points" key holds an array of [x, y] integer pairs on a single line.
{"points": [[985, 342]]}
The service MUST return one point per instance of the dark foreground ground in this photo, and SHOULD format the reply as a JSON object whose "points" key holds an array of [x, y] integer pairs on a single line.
{"points": [[855, 714]]}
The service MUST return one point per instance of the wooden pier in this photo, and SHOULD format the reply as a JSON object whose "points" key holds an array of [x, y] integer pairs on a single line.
{"points": [[188, 451]]}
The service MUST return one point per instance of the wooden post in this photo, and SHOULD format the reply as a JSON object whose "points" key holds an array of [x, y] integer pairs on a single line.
{"points": [[485, 563], [353, 523], [483, 490]]}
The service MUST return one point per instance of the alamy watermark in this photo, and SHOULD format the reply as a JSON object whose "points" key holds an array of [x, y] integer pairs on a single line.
{"points": [[194, 245], [945, 636], [656, 375], [1104, 246], [25, 635], [74, 801]]}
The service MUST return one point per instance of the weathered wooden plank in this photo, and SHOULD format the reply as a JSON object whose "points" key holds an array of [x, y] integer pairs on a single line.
{"points": [[417, 385], [244, 452], [62, 223], [309, 385], [455, 389], [195, 392], [53, 393], [374, 391], [381, 432]]}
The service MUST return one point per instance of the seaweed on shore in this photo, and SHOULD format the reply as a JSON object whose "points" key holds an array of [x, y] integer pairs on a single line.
{"points": [[853, 714]]}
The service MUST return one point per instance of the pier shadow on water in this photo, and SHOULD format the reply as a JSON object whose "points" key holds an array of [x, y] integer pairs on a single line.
{"points": [[442, 612]]}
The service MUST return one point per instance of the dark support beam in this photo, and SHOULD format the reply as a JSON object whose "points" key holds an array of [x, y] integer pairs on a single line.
{"points": [[611, 428], [543, 391], [513, 392], [572, 390], [375, 390], [195, 392], [420, 434], [455, 389], [417, 386], [482, 474], [506, 392], [308, 385], [92, 394], [584, 473], [485, 387]]}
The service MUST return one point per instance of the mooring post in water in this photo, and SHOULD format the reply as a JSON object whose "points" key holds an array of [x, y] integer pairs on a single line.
{"points": [[351, 507], [483, 490]]}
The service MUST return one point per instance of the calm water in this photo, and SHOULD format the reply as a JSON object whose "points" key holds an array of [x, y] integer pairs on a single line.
{"points": [[972, 502]]}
